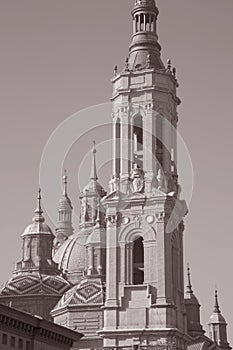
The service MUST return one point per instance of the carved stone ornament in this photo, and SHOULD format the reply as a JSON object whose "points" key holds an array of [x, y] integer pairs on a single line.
{"points": [[112, 219], [162, 181], [125, 220], [161, 216], [150, 219], [138, 181], [114, 184]]}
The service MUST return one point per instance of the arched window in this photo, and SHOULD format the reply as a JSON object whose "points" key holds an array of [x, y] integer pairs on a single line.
{"points": [[141, 22], [138, 261], [138, 141], [148, 27]]}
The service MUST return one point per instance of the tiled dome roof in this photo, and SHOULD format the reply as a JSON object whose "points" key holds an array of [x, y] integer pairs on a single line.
{"points": [[88, 292], [35, 284]]}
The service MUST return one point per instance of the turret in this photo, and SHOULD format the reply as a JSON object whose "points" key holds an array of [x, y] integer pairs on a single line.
{"points": [[145, 48], [37, 246], [218, 327], [90, 196], [192, 307]]}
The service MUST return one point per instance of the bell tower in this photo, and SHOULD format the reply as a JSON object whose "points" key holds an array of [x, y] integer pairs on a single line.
{"points": [[144, 214]]}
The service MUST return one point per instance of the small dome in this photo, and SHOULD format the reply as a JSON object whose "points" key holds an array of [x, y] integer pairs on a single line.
{"points": [[94, 187], [88, 292], [191, 299], [146, 3], [65, 204], [35, 284], [217, 318], [37, 228]]}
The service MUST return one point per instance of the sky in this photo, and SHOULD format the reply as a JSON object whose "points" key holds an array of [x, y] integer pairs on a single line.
{"points": [[57, 57]]}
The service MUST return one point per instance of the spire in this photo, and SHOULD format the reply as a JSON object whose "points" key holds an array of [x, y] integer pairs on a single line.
{"points": [[189, 289], [39, 212], [65, 178], [218, 326], [65, 200], [93, 167], [216, 317], [216, 306], [64, 227]]}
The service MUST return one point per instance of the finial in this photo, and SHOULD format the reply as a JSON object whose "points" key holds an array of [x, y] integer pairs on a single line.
{"points": [[148, 61], [189, 285], [169, 65], [98, 215], [216, 306], [65, 182], [94, 147], [93, 167], [127, 64], [39, 217], [115, 71], [174, 72]]}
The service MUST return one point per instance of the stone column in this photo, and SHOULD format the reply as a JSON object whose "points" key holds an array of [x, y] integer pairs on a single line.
{"points": [[150, 22], [129, 262], [125, 151], [167, 137], [123, 263], [162, 255], [111, 260], [150, 262], [174, 144], [91, 260], [149, 158]]}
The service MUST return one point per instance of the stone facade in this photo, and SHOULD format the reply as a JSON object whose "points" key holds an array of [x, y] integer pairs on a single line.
{"points": [[25, 332], [123, 269]]}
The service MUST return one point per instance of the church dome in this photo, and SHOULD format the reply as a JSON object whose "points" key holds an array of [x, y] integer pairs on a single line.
{"points": [[35, 284], [71, 257]]}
